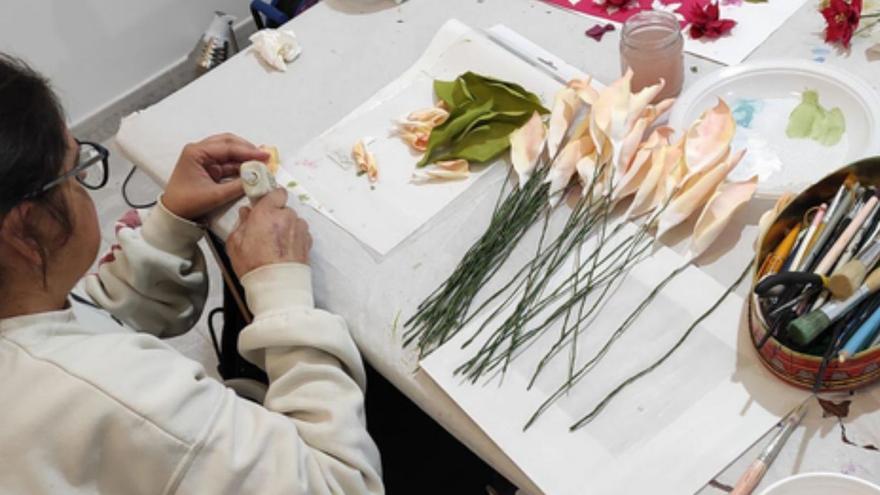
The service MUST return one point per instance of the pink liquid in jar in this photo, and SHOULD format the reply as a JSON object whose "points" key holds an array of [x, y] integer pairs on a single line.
{"points": [[653, 47]]}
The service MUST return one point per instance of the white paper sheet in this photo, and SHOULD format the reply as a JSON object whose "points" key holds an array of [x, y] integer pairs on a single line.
{"points": [[668, 433], [755, 23], [383, 214]]}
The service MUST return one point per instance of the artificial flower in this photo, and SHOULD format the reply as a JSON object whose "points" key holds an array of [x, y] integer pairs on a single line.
{"points": [[841, 20], [717, 213], [442, 171], [705, 20], [526, 145], [366, 161]]}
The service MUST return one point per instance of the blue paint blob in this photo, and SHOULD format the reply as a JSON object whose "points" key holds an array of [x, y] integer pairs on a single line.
{"points": [[744, 112]]}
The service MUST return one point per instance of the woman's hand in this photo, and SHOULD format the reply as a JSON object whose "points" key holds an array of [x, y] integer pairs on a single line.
{"points": [[195, 188], [268, 233]]}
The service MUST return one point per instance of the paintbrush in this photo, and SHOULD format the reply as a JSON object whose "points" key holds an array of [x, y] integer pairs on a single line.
{"points": [[837, 248], [809, 237], [773, 263], [753, 475], [862, 337], [839, 208], [805, 329], [847, 278]]}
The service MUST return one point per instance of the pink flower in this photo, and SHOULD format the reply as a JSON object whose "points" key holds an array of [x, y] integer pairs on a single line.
{"points": [[705, 20]]}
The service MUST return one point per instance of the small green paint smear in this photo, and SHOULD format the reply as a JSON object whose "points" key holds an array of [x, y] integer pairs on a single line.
{"points": [[292, 184], [303, 197], [811, 121], [395, 324]]}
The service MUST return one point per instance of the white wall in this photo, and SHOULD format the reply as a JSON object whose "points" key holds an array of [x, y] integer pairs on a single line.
{"points": [[95, 51]]}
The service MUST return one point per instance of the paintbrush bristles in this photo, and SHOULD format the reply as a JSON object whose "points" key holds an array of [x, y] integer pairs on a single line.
{"points": [[805, 329], [845, 281]]}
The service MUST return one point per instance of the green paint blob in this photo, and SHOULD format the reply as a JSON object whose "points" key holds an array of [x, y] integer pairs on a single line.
{"points": [[810, 120]]}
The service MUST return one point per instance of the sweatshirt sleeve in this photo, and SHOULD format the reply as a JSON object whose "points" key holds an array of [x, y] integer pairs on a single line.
{"points": [[154, 277], [310, 438]]}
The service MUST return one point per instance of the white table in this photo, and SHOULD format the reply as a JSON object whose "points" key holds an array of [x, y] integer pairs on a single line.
{"points": [[351, 51]]}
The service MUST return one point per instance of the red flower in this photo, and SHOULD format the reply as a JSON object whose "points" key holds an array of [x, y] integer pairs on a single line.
{"points": [[705, 21], [842, 19]]}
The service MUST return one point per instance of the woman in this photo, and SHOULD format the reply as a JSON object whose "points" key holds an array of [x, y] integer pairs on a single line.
{"points": [[115, 410]]}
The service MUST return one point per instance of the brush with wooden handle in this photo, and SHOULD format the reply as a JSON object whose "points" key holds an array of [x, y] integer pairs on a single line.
{"points": [[753, 475], [846, 279]]}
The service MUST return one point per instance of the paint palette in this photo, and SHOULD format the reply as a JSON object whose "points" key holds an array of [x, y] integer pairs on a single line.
{"points": [[763, 95]]}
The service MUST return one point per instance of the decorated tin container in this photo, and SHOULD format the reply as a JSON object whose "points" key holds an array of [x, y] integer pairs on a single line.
{"points": [[795, 367]]}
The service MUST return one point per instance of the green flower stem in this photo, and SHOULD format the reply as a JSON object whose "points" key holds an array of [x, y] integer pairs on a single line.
{"points": [[605, 401]]}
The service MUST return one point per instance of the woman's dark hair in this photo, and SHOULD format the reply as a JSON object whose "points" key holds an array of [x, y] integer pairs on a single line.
{"points": [[33, 144]]}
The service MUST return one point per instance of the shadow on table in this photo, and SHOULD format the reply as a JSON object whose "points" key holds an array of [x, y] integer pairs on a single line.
{"points": [[418, 455], [360, 6]]}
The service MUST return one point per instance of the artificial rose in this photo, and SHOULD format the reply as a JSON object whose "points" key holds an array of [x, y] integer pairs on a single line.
{"points": [[705, 20], [841, 19]]}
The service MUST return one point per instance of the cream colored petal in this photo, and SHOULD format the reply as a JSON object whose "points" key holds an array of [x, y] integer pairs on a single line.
{"points": [[625, 153], [526, 145], [565, 165], [586, 170], [639, 101], [274, 162], [442, 171], [433, 116], [365, 160], [654, 112], [565, 107], [652, 187], [707, 142], [642, 163], [694, 193], [585, 90], [728, 197]]}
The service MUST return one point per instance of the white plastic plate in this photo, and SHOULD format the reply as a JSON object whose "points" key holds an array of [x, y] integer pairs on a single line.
{"points": [[762, 96], [822, 484]]}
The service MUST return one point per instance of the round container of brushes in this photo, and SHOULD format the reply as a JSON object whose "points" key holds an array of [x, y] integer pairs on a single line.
{"points": [[814, 308]]}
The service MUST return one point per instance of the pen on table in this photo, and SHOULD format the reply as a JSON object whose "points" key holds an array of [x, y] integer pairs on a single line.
{"points": [[750, 479], [809, 236]]}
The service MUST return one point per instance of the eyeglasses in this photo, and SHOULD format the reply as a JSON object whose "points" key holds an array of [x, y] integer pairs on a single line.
{"points": [[85, 171]]}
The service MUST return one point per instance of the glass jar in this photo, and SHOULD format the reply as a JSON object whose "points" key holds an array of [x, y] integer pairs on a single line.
{"points": [[653, 47]]}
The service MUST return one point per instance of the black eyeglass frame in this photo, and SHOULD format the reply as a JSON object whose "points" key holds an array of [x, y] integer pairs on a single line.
{"points": [[102, 156]]}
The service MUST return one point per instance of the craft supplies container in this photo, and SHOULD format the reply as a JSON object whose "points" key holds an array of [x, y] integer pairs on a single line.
{"points": [[798, 368], [652, 45]]}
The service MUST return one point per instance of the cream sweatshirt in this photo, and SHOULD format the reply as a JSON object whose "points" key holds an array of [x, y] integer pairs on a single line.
{"points": [[111, 410]]}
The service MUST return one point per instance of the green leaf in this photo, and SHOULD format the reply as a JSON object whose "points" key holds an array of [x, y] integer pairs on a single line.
{"points": [[507, 96], [458, 121], [482, 144], [453, 93]]}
